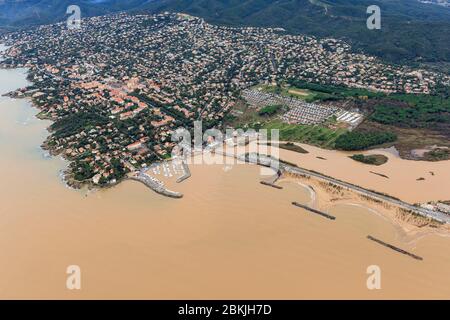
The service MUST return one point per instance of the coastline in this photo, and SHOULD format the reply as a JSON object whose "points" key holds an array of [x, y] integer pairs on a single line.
{"points": [[226, 227], [403, 174], [309, 235], [327, 199], [72, 183], [68, 176]]}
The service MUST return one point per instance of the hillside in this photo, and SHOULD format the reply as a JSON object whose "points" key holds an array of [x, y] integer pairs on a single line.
{"points": [[15, 14], [411, 31]]}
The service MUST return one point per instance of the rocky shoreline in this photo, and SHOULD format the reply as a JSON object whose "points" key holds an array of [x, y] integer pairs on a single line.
{"points": [[67, 176]]}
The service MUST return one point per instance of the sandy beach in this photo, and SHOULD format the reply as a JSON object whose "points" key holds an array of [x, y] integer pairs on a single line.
{"points": [[403, 175]]}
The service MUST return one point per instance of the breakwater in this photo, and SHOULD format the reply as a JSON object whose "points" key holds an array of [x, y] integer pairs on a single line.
{"points": [[156, 186], [284, 166], [323, 214], [187, 172], [430, 214], [265, 183], [387, 245]]}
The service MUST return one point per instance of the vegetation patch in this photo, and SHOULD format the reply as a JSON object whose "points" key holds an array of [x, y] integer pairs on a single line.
{"points": [[351, 141], [375, 159], [438, 154], [325, 92], [269, 111], [420, 111], [314, 135], [77, 122], [419, 120], [409, 139], [292, 147]]}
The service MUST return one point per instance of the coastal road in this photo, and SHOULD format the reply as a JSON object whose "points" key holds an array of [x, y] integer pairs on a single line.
{"points": [[439, 216], [284, 167]]}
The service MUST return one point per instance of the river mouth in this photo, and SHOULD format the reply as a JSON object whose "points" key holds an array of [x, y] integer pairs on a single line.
{"points": [[229, 237]]}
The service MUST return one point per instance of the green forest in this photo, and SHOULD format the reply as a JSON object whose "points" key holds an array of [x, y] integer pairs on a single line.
{"points": [[420, 111], [353, 141], [77, 122]]}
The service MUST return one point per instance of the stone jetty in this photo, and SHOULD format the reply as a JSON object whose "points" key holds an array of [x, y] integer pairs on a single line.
{"points": [[155, 185], [187, 172]]}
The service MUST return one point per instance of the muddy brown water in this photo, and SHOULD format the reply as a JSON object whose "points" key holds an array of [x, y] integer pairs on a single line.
{"points": [[229, 237]]}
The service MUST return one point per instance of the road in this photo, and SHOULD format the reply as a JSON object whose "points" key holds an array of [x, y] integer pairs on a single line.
{"points": [[439, 216], [270, 162]]}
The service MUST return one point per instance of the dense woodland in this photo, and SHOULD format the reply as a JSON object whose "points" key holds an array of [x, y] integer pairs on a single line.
{"points": [[363, 140], [430, 112], [77, 122], [416, 111]]}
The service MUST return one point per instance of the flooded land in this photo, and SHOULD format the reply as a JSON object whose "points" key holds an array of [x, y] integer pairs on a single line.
{"points": [[228, 237]]}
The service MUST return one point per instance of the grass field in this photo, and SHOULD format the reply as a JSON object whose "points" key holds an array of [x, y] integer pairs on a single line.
{"points": [[314, 135], [293, 92], [300, 92], [250, 117]]}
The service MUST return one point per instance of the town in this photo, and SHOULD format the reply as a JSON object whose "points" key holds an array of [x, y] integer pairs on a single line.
{"points": [[118, 88]]}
